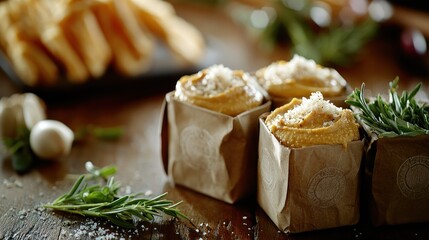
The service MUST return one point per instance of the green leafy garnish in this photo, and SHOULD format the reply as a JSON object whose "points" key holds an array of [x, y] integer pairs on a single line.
{"points": [[102, 133], [333, 45], [20, 150], [91, 198], [400, 116]]}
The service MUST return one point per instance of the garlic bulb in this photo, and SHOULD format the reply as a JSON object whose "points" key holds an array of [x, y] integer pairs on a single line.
{"points": [[51, 139], [20, 110]]}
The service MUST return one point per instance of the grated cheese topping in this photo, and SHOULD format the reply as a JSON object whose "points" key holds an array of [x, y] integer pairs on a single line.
{"points": [[299, 68], [315, 103], [216, 80]]}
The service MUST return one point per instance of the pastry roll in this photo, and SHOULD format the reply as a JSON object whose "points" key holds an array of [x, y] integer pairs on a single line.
{"points": [[220, 89], [300, 77], [312, 121]]}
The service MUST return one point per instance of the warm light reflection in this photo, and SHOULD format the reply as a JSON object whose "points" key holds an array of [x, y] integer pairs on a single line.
{"points": [[321, 14], [296, 5], [359, 6], [380, 10], [419, 42], [259, 19]]}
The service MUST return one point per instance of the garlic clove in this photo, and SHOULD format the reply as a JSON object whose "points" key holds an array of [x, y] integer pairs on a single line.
{"points": [[33, 110], [51, 139]]}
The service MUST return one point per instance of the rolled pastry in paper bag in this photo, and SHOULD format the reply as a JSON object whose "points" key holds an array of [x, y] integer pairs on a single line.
{"points": [[299, 77], [308, 168], [399, 180], [210, 133]]}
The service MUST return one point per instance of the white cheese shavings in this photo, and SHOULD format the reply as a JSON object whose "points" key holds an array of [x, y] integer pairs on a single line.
{"points": [[298, 68], [217, 79], [314, 103]]}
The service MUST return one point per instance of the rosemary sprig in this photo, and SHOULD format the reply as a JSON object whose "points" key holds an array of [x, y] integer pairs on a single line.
{"points": [[336, 44], [400, 116], [100, 200]]}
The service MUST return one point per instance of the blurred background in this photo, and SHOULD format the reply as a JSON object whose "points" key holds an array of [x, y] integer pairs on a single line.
{"points": [[366, 41]]}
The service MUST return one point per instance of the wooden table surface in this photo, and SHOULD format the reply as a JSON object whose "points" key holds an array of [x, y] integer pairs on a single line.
{"points": [[137, 155]]}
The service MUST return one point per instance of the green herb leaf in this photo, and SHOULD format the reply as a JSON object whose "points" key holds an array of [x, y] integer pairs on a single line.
{"points": [[333, 45], [21, 155], [95, 199], [101, 133], [401, 116], [22, 160]]}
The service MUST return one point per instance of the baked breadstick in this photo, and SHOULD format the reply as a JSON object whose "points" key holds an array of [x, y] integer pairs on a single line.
{"points": [[182, 38], [84, 34], [131, 46], [57, 43]]}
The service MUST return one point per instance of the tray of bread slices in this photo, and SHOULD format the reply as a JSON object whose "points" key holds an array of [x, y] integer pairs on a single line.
{"points": [[61, 44]]}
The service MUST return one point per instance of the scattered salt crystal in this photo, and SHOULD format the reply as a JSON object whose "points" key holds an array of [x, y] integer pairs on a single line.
{"points": [[148, 193], [197, 230], [18, 183], [128, 189], [23, 212], [7, 183], [244, 217], [245, 224]]}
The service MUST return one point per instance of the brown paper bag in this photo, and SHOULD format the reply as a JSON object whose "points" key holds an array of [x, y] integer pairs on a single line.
{"points": [[209, 152], [398, 172], [303, 189]]}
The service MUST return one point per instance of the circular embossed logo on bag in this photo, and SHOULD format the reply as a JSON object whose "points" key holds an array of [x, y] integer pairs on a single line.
{"points": [[326, 187], [267, 170], [197, 146], [413, 177]]}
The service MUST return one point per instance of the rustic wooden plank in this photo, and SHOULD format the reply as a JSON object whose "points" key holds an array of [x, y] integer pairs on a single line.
{"points": [[29, 223]]}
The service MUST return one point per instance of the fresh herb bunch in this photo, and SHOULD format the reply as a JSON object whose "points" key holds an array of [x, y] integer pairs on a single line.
{"points": [[20, 150], [91, 198], [333, 45], [401, 116]]}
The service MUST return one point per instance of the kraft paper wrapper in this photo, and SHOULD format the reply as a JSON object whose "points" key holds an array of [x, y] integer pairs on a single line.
{"points": [[397, 171], [304, 189], [338, 101], [210, 152]]}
